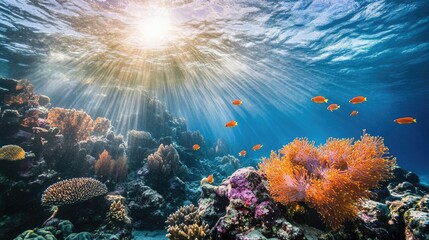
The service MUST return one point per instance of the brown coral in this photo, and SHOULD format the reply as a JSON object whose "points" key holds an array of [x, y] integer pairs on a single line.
{"points": [[164, 163], [101, 126], [107, 168], [185, 223], [12, 153], [72, 190], [74, 125], [104, 165], [332, 178], [120, 169], [25, 95]]}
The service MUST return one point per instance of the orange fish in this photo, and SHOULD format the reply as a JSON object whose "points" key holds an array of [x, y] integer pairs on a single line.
{"points": [[242, 153], [405, 120], [210, 179], [354, 113], [319, 99], [196, 147], [231, 124], [237, 102], [358, 99], [333, 107], [257, 147]]}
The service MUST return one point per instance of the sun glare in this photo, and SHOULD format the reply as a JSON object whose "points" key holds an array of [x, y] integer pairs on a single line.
{"points": [[153, 30]]}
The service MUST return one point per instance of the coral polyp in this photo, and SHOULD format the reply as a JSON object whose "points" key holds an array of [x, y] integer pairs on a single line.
{"points": [[331, 178]]}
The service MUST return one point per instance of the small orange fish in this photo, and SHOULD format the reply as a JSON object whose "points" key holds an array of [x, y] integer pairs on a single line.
{"points": [[210, 179], [196, 147], [358, 99], [242, 153], [354, 113], [231, 124], [257, 147], [333, 107], [405, 120], [237, 102], [319, 99]]}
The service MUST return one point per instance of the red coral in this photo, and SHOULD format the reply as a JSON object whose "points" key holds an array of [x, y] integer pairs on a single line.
{"points": [[74, 125], [332, 178]]}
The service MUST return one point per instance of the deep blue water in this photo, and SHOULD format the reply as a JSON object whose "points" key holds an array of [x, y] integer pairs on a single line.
{"points": [[273, 55]]}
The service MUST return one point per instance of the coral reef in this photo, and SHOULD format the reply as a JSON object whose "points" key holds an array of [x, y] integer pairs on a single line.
{"points": [[332, 178], [72, 190], [144, 201], [249, 206], [101, 126], [12, 153], [23, 94], [163, 165], [185, 223], [74, 125], [140, 145], [165, 173], [187, 139]]}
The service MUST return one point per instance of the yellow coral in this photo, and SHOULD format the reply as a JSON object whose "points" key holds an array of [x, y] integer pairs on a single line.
{"points": [[12, 153], [332, 178], [118, 212], [185, 223]]}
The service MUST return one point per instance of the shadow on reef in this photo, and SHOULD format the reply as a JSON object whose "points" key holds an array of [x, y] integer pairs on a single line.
{"points": [[64, 175]]}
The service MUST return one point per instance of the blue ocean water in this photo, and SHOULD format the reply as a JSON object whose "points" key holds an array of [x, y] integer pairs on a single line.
{"points": [[197, 56]]}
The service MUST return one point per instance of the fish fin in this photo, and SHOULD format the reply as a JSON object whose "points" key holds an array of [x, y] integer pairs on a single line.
{"points": [[414, 120], [326, 100], [364, 99]]}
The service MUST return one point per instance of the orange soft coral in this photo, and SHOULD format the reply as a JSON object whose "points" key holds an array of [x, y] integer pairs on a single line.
{"points": [[331, 178]]}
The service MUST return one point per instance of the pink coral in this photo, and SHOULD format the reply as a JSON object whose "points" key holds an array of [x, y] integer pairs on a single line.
{"points": [[331, 178]]}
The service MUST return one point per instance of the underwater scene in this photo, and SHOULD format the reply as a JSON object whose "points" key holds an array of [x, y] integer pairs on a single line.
{"points": [[214, 119]]}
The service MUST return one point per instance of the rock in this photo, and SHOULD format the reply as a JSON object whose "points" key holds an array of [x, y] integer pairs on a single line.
{"points": [[399, 207], [374, 220], [417, 224], [250, 207], [147, 207], [423, 204], [140, 145], [402, 189], [252, 235]]}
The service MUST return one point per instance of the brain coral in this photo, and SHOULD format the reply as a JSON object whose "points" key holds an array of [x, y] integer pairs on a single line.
{"points": [[332, 178], [72, 190], [12, 153]]}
